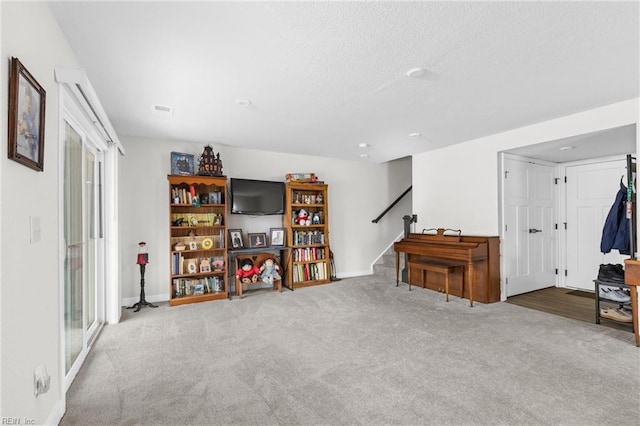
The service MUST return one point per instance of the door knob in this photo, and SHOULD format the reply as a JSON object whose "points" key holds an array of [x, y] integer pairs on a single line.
{"points": [[534, 231]]}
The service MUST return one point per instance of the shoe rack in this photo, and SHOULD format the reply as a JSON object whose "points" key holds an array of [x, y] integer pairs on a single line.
{"points": [[613, 302]]}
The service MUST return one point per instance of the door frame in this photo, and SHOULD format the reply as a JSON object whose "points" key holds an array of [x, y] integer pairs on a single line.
{"points": [[502, 156]]}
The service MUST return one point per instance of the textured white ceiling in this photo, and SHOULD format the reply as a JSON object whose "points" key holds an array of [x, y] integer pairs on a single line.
{"points": [[323, 77]]}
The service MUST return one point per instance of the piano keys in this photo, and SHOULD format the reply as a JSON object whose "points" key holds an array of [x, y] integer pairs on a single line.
{"points": [[480, 254]]}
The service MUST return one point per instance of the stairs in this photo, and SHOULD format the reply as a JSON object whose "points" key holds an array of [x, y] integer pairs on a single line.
{"points": [[385, 267]]}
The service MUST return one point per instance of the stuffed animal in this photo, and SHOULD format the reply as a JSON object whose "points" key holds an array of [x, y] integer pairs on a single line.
{"points": [[248, 272], [302, 217], [269, 271], [315, 218]]}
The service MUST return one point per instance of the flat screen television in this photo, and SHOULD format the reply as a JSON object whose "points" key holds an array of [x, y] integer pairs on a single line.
{"points": [[256, 197]]}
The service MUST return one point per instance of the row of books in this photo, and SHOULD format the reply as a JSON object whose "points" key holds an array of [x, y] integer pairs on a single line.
{"points": [[306, 198], [309, 272], [305, 238], [187, 194], [309, 253], [181, 265], [194, 286], [196, 219]]}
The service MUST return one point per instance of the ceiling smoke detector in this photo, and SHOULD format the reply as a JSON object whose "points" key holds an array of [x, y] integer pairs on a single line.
{"points": [[363, 145], [567, 148], [243, 102], [414, 135]]}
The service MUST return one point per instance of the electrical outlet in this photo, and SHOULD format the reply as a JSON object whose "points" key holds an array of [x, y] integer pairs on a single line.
{"points": [[41, 380]]}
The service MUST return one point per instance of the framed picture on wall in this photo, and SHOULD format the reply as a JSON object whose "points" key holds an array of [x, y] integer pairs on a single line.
{"points": [[26, 117]]}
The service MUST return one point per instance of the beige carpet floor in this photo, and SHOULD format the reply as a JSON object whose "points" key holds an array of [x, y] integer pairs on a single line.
{"points": [[355, 352]]}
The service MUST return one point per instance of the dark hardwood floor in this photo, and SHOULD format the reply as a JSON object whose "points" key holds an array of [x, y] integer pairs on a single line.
{"points": [[575, 304]]}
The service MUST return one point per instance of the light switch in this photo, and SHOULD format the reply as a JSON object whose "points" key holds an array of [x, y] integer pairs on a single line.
{"points": [[35, 231]]}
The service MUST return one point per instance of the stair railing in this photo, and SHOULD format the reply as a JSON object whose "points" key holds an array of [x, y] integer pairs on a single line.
{"points": [[377, 219]]}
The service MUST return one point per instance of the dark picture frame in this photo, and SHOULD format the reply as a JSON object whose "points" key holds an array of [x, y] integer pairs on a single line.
{"points": [[27, 100], [258, 239], [277, 237], [235, 239], [182, 164]]}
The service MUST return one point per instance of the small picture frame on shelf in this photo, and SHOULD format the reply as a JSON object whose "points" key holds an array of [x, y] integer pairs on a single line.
{"points": [[191, 266], [193, 245], [205, 265], [258, 239], [235, 239], [277, 237], [181, 163]]}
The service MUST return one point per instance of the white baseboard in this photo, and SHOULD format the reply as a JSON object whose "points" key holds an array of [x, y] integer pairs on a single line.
{"points": [[354, 273], [130, 301], [56, 414]]}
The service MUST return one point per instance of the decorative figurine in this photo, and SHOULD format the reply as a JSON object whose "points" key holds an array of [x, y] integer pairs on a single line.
{"points": [[210, 163]]}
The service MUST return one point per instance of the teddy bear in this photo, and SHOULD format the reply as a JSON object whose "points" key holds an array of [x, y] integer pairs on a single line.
{"points": [[302, 217], [248, 272], [269, 271]]}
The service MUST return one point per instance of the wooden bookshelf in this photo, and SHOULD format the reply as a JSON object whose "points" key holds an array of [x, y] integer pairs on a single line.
{"points": [[308, 241], [197, 221]]}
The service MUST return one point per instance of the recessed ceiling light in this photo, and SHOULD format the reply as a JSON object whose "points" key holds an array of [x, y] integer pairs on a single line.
{"points": [[567, 148], [243, 102], [416, 72], [414, 135], [363, 145], [364, 155]]}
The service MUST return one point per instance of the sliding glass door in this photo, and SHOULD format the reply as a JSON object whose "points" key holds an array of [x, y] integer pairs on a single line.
{"points": [[84, 258]]}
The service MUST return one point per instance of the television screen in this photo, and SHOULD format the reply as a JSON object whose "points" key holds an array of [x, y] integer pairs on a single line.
{"points": [[257, 197]]}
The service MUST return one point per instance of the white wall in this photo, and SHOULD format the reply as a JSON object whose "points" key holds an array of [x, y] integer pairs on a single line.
{"points": [[358, 192], [457, 187], [29, 295]]}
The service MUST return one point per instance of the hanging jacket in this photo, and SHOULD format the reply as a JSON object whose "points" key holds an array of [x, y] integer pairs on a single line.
{"points": [[615, 233]]}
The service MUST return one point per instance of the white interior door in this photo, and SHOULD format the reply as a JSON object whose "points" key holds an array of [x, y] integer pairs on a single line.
{"points": [[591, 190], [529, 220]]}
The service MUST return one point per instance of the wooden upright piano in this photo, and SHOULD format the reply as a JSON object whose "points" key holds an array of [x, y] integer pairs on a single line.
{"points": [[480, 255]]}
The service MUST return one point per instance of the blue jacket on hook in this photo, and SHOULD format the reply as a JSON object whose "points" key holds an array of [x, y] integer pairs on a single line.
{"points": [[615, 233]]}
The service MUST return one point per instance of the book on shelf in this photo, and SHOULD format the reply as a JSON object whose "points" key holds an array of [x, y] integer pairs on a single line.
{"points": [[308, 253], [310, 272], [197, 286], [308, 237]]}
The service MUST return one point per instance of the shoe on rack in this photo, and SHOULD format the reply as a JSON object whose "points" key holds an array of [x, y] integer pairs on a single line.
{"points": [[618, 269], [615, 314], [614, 295], [611, 273], [610, 277]]}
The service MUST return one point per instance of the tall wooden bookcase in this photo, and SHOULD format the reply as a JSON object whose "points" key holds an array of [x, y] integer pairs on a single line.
{"points": [[197, 239], [309, 241]]}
